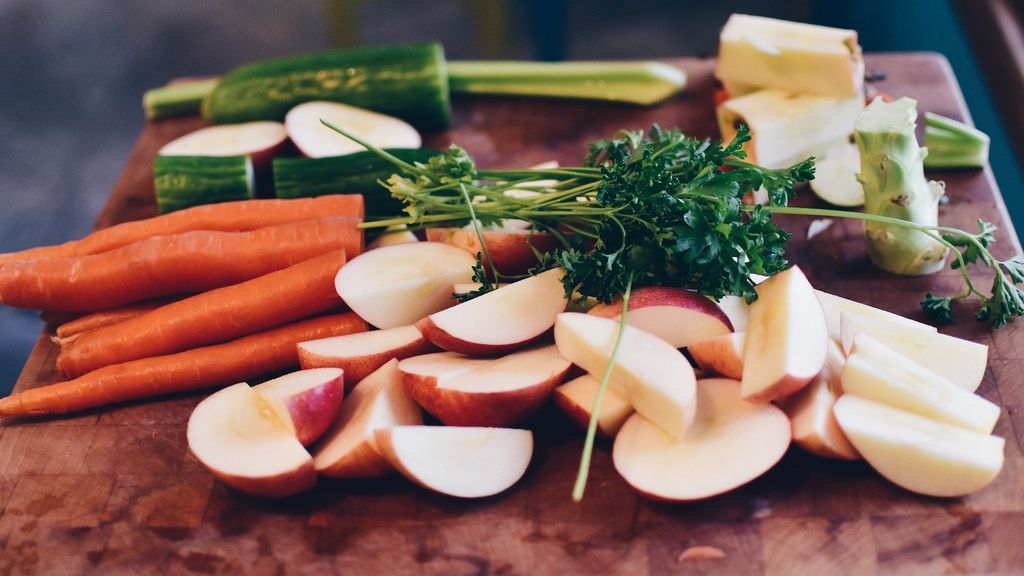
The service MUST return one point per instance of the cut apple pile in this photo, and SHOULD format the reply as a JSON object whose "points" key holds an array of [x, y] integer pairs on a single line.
{"points": [[840, 379], [253, 438]]}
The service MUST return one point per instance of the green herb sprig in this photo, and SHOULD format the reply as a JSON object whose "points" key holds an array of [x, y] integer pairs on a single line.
{"points": [[664, 209]]}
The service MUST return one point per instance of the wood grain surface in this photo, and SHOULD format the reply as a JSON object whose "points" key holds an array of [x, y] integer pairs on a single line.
{"points": [[115, 491]]}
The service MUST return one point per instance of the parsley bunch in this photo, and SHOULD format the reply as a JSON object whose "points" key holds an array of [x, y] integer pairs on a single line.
{"points": [[660, 208]]}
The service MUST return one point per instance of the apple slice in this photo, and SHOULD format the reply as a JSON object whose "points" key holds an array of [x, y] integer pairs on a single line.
{"points": [[508, 318], [349, 449], [315, 140], [398, 285], [787, 340], [833, 306], [810, 411], [732, 442], [465, 391], [722, 355], [877, 372], [391, 236], [918, 453], [307, 400], [960, 361], [260, 141], [460, 462], [648, 372], [511, 249], [239, 438], [736, 310], [677, 316], [577, 398], [361, 353]]}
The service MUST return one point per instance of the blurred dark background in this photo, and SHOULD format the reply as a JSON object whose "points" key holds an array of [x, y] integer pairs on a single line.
{"points": [[72, 75]]}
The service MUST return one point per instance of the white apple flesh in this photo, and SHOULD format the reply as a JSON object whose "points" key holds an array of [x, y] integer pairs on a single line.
{"points": [[307, 400], [260, 141], [917, 453], [379, 401], [239, 438], [401, 284], [505, 319], [466, 391], [960, 361], [457, 461], [512, 250], [391, 236], [722, 355], [834, 306], [736, 310], [877, 372], [677, 316], [577, 398], [362, 353], [810, 411], [787, 340], [647, 372], [731, 443], [315, 140]]}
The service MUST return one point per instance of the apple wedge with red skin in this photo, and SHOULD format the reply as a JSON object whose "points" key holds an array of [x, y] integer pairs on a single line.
{"points": [[732, 442], [307, 400], [466, 391], [655, 378], [398, 285], [239, 438], [465, 462], [511, 249], [677, 316], [260, 141], [361, 354], [787, 339], [506, 319], [722, 355], [577, 397], [349, 449]]}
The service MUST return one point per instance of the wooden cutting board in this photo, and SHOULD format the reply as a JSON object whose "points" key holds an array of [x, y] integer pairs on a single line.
{"points": [[115, 490]]}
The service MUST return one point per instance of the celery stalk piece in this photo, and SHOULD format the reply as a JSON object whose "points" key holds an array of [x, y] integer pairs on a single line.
{"points": [[953, 144], [177, 99], [633, 82], [892, 173]]}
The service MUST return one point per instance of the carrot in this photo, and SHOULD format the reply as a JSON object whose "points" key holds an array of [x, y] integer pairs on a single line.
{"points": [[225, 217], [189, 262], [218, 365], [73, 328], [297, 292]]}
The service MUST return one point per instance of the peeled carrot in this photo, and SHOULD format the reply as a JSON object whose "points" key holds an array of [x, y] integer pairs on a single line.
{"points": [[179, 263], [297, 292], [225, 217], [73, 328], [219, 365]]}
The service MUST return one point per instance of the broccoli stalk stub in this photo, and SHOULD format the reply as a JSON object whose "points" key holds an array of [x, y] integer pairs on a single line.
{"points": [[892, 173]]}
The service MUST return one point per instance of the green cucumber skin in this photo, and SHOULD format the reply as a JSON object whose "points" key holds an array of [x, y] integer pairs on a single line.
{"points": [[184, 181], [407, 81], [356, 173]]}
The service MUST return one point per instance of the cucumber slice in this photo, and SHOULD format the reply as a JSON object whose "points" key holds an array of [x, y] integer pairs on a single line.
{"points": [[350, 174], [315, 140], [835, 176], [184, 181], [259, 140]]}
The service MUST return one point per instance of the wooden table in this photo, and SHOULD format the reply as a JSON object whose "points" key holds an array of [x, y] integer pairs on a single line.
{"points": [[115, 490]]}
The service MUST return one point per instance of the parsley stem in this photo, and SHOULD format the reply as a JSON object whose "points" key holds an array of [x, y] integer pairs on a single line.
{"points": [[588, 444], [480, 235]]}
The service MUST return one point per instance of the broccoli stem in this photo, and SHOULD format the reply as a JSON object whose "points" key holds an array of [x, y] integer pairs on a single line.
{"points": [[892, 174]]}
